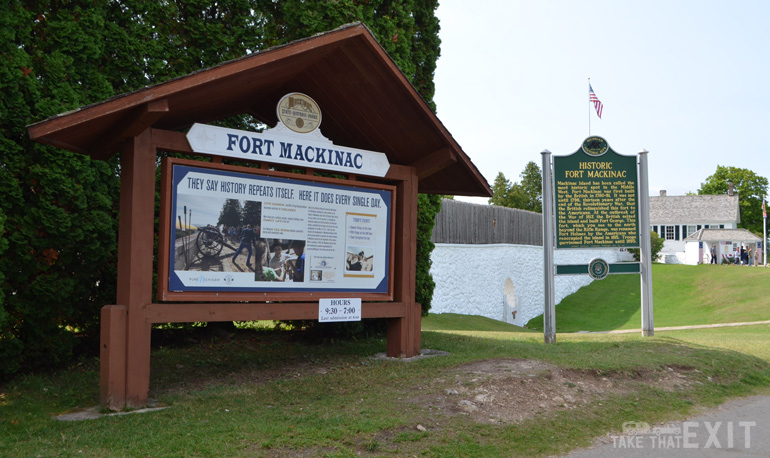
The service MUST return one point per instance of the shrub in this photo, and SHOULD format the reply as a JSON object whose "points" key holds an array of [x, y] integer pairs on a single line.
{"points": [[656, 245]]}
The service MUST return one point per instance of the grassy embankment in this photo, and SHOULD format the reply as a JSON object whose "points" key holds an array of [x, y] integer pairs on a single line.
{"points": [[682, 295]]}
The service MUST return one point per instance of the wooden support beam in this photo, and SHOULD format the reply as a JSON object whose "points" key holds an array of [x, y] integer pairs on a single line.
{"points": [[210, 312], [134, 123], [434, 162], [135, 257], [112, 357], [404, 332], [168, 140]]}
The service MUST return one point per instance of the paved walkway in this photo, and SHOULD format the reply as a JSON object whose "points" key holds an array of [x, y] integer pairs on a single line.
{"points": [[677, 328], [737, 429]]}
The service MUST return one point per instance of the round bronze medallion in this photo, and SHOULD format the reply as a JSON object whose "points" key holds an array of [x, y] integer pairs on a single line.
{"points": [[299, 112], [598, 269], [595, 146]]}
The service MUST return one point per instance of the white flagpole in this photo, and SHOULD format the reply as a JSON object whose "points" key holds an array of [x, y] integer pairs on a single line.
{"points": [[589, 107], [764, 223]]}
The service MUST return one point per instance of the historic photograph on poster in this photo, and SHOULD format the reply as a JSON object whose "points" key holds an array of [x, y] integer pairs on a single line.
{"points": [[237, 231]]}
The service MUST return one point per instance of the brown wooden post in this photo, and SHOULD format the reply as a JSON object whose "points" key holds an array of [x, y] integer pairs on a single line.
{"points": [[404, 332], [112, 357], [135, 245]]}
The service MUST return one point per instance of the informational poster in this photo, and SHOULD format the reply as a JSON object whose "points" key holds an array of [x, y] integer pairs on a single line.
{"points": [[595, 192], [246, 232]]}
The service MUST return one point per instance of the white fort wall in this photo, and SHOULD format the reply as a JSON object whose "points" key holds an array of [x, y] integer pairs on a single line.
{"points": [[496, 280]]}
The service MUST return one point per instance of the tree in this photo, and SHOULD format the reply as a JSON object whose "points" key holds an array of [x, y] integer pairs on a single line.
{"points": [[427, 208], [407, 29], [656, 244], [252, 213], [59, 208], [526, 195], [231, 213], [58, 215], [500, 190], [750, 187], [532, 185]]}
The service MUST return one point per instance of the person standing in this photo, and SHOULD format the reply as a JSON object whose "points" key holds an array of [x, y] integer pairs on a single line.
{"points": [[713, 254], [358, 264], [298, 269], [247, 238], [261, 270], [277, 260]]}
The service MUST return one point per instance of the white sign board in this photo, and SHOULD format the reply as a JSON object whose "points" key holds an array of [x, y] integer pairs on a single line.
{"points": [[281, 145], [291, 235], [333, 310]]}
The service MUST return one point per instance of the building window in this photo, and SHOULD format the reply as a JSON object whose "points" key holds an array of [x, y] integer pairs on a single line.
{"points": [[690, 230], [669, 232]]}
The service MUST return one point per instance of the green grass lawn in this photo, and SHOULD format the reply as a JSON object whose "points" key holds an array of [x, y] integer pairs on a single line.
{"points": [[274, 394], [682, 295], [267, 393]]}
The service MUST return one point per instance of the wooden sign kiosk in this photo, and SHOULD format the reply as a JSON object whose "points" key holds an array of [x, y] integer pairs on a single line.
{"points": [[368, 104]]}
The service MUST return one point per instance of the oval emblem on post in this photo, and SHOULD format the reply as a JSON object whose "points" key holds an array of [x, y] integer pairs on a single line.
{"points": [[598, 269], [299, 113], [595, 146]]}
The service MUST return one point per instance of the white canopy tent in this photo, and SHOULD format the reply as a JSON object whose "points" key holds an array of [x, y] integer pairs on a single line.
{"points": [[726, 242]]}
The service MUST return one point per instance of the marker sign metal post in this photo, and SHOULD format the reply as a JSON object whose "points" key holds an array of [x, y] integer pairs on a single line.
{"points": [[599, 202]]}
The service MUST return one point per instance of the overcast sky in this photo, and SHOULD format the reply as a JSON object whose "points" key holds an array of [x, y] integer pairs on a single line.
{"points": [[687, 80]]}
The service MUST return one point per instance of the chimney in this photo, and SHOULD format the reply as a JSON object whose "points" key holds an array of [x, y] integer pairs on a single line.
{"points": [[662, 193], [730, 188]]}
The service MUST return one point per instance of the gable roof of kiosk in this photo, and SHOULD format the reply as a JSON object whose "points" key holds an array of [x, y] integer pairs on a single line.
{"points": [[366, 101]]}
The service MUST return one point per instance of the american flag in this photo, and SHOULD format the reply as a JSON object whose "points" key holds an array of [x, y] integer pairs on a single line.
{"points": [[764, 209], [595, 100]]}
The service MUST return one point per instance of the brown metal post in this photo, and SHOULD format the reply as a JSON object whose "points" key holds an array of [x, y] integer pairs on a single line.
{"points": [[404, 333], [135, 246]]}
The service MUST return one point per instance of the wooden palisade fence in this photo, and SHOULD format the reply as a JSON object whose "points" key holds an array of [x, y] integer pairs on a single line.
{"points": [[464, 222]]}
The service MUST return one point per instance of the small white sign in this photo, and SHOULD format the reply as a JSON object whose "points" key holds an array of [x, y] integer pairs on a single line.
{"points": [[331, 310]]}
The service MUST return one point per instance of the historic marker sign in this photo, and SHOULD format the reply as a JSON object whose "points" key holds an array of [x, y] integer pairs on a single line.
{"points": [[596, 197]]}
